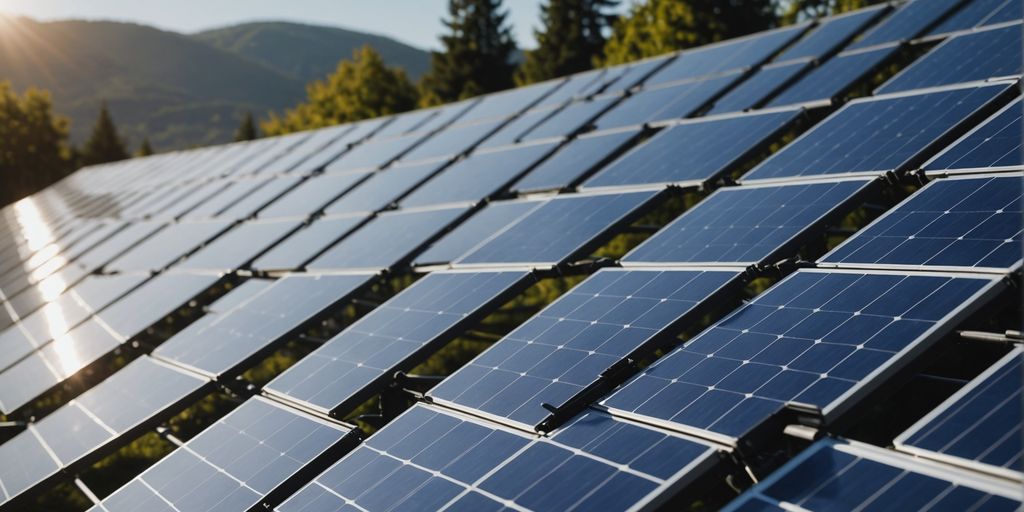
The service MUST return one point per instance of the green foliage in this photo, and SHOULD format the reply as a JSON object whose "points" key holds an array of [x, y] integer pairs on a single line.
{"points": [[145, 149], [360, 88], [571, 37], [104, 144], [655, 27], [33, 143], [247, 130], [477, 56]]}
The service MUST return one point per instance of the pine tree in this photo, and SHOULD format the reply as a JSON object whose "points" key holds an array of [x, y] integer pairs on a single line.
{"points": [[104, 144], [33, 143], [477, 57], [246, 130], [145, 149], [572, 35], [654, 27], [361, 88]]}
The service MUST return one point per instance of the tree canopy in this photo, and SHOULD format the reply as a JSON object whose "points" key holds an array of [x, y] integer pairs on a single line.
{"points": [[104, 143], [360, 88], [33, 143], [477, 57], [247, 129], [571, 36]]}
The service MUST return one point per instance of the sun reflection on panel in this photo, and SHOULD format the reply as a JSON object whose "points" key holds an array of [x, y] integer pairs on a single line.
{"points": [[38, 235], [67, 354]]}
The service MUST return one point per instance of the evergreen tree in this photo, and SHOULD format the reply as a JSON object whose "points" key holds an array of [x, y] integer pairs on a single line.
{"points": [[477, 56], [572, 35], [361, 88], [654, 27], [246, 130], [104, 144], [145, 149], [33, 143]]}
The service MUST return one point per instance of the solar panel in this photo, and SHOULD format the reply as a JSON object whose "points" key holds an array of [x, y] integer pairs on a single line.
{"points": [[373, 154], [239, 246], [153, 301], [514, 130], [832, 33], [575, 117], [479, 176], [576, 159], [241, 336], [431, 459], [563, 228], [407, 122], [971, 223], [112, 413], [304, 245], [1010, 11], [312, 195], [822, 338], [972, 14], [993, 146], [979, 427], [510, 102], [253, 201], [574, 87], [837, 475], [749, 225], [974, 56], [319, 160], [119, 242], [448, 114], [253, 457], [882, 134], [483, 225], [383, 188], [238, 295], [453, 140], [316, 141], [235, 191], [834, 78], [622, 78], [909, 21], [734, 54], [695, 152], [665, 103], [167, 246], [564, 349], [397, 335], [387, 240]]}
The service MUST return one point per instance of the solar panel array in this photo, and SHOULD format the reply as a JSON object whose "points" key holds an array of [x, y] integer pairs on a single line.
{"points": [[113, 285]]}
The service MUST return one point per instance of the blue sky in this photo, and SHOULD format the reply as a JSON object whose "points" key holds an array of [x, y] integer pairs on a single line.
{"points": [[416, 22]]}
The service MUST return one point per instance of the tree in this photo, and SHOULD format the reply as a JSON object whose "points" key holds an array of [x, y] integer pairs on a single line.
{"points": [[572, 35], [104, 144], [654, 27], [361, 88], [246, 130], [145, 149], [477, 57], [33, 143]]}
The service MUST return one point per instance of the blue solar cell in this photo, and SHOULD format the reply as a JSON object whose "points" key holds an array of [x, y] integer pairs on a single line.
{"points": [[447, 115], [576, 86], [576, 160], [254, 200], [909, 21], [154, 300], [980, 424], [239, 246], [575, 117], [817, 338], [312, 195], [235, 191], [317, 161], [408, 122], [235, 338], [561, 229], [878, 135], [513, 132], [974, 56], [748, 225], [304, 245], [342, 373], [387, 240], [483, 225], [665, 103], [836, 475], [832, 33], [834, 78], [167, 246], [453, 140], [970, 15], [756, 89], [565, 348], [954, 223], [237, 464], [1010, 11], [429, 459], [994, 145], [509, 103], [383, 188], [694, 151], [479, 176], [316, 141], [734, 54], [621, 78], [373, 154]]}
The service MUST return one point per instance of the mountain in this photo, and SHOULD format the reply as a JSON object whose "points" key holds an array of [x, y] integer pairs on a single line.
{"points": [[274, 45], [179, 90]]}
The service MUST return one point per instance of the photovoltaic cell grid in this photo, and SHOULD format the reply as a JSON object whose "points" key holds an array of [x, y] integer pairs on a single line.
{"points": [[831, 33], [666, 103], [430, 459], [972, 14], [834, 78], [479, 228], [245, 459], [994, 145], [395, 336], [911, 20], [747, 225], [305, 244], [834, 475], [818, 338], [575, 160], [765, 83], [980, 426], [877, 135], [959, 223], [568, 345]]}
